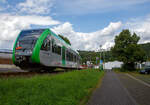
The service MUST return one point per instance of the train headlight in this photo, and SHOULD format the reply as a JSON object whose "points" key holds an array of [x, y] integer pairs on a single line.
{"points": [[16, 52], [28, 52]]}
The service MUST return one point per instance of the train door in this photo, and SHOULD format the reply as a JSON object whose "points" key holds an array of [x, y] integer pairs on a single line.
{"points": [[63, 56], [46, 46], [45, 52]]}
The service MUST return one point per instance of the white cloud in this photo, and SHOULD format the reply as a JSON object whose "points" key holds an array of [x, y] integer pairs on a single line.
{"points": [[105, 37], [12, 24], [89, 41], [141, 27], [35, 7], [73, 6], [3, 1], [96, 6]]}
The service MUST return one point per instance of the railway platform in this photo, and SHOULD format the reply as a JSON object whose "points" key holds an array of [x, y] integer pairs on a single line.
{"points": [[4, 68]]}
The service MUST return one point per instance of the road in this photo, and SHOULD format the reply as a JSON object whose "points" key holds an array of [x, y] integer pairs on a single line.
{"points": [[120, 89]]}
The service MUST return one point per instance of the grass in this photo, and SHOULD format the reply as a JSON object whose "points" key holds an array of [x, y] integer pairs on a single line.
{"points": [[136, 74], [62, 89], [143, 77]]}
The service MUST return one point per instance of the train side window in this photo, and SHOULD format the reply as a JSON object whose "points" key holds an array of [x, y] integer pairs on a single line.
{"points": [[59, 50], [67, 55], [74, 58], [70, 56], [55, 48], [46, 46]]}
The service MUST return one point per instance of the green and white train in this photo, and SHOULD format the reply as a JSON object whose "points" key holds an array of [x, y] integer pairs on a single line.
{"points": [[40, 49]]}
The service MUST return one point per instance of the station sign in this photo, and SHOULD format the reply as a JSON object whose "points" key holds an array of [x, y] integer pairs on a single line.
{"points": [[101, 61]]}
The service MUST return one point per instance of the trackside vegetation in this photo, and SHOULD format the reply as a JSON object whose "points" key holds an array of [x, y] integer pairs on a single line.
{"points": [[145, 78], [68, 88]]}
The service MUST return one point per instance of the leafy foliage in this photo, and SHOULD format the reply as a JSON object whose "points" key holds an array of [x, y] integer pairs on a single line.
{"points": [[127, 50], [65, 39], [92, 55], [146, 48]]}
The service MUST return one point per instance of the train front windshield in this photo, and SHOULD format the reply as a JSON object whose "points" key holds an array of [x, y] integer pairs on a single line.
{"points": [[27, 39]]}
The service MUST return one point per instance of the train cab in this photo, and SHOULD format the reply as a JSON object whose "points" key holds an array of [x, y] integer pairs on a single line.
{"points": [[25, 44]]}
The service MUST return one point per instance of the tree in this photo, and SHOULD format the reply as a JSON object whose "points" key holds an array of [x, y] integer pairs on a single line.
{"points": [[127, 50], [65, 39]]}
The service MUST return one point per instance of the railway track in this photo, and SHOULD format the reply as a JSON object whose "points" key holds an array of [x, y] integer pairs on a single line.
{"points": [[28, 74]]}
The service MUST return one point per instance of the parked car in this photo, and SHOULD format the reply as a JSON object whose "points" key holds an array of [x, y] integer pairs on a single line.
{"points": [[146, 70]]}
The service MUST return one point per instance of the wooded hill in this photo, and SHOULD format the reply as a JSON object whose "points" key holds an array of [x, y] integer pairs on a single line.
{"points": [[107, 55], [146, 48]]}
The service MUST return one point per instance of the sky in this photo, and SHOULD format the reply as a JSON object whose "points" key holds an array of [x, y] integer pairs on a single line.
{"points": [[86, 23]]}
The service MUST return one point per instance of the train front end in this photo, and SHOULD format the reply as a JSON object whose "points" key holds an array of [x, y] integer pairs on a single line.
{"points": [[24, 46]]}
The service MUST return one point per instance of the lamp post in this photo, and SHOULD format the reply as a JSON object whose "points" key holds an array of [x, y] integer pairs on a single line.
{"points": [[104, 58], [101, 63], [100, 51]]}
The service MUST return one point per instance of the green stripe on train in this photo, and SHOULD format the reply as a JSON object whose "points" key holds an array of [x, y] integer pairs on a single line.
{"points": [[36, 51], [63, 55]]}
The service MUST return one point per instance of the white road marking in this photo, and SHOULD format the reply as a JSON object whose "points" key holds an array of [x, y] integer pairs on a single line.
{"points": [[142, 82]]}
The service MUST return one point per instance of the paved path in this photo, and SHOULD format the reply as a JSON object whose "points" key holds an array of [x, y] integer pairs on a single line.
{"points": [[111, 92], [139, 91]]}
